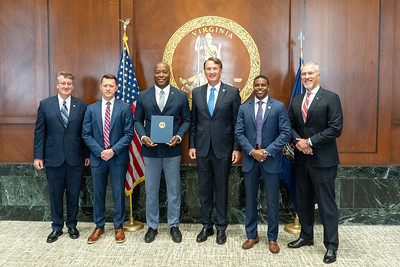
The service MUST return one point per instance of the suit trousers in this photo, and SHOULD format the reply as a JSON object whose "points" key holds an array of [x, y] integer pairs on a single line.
{"points": [[100, 179], [153, 169], [319, 183], [271, 189], [64, 178], [213, 175]]}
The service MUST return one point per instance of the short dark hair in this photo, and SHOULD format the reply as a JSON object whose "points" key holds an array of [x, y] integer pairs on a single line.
{"points": [[261, 76], [108, 76], [215, 60]]}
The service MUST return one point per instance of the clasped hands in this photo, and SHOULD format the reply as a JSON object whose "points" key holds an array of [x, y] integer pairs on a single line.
{"points": [[147, 141], [259, 154], [303, 146]]}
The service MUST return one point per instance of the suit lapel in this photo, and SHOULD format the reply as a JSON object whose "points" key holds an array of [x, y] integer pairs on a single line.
{"points": [[268, 108], [99, 119], [152, 93], [203, 96], [314, 103], [57, 109], [115, 113], [252, 112], [72, 109], [170, 97], [221, 94]]}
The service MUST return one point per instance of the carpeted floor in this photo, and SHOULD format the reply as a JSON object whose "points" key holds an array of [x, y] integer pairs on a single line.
{"points": [[24, 244]]}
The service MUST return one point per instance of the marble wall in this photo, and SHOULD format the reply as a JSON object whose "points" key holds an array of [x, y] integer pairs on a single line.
{"points": [[366, 195]]}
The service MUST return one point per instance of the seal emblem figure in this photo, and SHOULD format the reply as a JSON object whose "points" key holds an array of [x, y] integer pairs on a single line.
{"points": [[212, 36]]}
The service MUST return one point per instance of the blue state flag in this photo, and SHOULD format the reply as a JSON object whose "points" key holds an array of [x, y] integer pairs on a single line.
{"points": [[289, 172]]}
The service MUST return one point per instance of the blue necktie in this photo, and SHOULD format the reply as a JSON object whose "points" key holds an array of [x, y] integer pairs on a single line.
{"points": [[259, 121], [64, 113], [211, 101]]}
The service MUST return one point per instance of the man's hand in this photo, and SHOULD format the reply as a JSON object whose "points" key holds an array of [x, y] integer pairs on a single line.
{"points": [[235, 156], [303, 146], [258, 154], [192, 153], [175, 139], [147, 141], [38, 163], [87, 162], [107, 154]]}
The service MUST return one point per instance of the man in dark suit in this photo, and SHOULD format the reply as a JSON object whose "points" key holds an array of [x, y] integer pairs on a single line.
{"points": [[162, 100], [212, 142], [262, 129], [107, 131], [316, 118], [58, 145]]}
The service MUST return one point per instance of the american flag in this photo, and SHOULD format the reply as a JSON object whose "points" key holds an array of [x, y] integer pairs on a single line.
{"points": [[128, 91]]}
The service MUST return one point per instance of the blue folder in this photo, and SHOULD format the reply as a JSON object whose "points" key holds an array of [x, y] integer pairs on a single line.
{"points": [[161, 129]]}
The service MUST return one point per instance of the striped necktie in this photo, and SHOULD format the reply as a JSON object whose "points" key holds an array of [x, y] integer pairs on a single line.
{"points": [[304, 109], [259, 122], [64, 113], [107, 120]]}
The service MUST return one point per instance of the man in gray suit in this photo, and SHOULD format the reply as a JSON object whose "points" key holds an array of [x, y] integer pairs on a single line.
{"points": [[317, 120], [58, 145], [165, 100], [212, 142]]}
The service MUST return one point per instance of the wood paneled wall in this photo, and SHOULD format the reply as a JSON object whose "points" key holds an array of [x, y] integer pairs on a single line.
{"points": [[356, 44]]}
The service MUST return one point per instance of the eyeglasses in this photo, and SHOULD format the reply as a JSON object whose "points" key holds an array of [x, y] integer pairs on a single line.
{"points": [[66, 84]]}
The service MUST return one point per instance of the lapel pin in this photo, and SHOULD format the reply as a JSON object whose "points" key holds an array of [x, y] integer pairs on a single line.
{"points": [[73, 105], [269, 107], [223, 90]]}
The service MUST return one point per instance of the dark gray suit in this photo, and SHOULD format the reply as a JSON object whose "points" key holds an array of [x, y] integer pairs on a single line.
{"points": [[315, 174], [214, 140]]}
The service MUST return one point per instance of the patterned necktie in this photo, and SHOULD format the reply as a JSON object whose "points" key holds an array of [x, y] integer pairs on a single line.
{"points": [[304, 109], [161, 102], [64, 113], [259, 121], [107, 126], [211, 101]]}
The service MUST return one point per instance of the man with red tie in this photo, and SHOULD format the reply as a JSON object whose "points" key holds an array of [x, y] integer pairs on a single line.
{"points": [[107, 131], [317, 120]]}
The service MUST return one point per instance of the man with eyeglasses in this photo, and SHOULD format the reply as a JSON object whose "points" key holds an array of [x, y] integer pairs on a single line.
{"points": [[59, 146]]}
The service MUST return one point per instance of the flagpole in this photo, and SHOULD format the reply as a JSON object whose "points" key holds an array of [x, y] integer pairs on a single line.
{"points": [[131, 225], [295, 227]]}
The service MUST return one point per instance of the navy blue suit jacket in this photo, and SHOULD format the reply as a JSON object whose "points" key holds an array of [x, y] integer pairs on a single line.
{"points": [[54, 143], [323, 125], [177, 105], [218, 130], [121, 132], [276, 133]]}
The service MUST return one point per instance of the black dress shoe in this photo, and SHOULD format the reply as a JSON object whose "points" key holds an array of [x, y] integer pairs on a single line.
{"points": [[73, 233], [221, 237], [53, 236], [300, 242], [204, 233], [330, 256], [150, 235], [176, 234]]}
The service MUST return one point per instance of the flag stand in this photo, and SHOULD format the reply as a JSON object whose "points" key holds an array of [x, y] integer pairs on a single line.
{"points": [[132, 225], [293, 228]]}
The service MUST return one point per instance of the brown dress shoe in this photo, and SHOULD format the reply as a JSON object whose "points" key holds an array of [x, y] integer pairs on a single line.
{"points": [[273, 247], [119, 235], [94, 237], [249, 243]]}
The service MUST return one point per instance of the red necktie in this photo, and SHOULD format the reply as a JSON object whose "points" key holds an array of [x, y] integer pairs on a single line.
{"points": [[107, 126], [304, 109]]}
